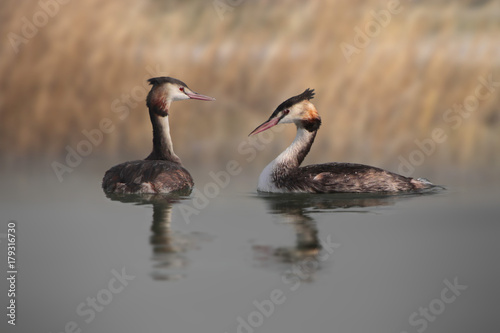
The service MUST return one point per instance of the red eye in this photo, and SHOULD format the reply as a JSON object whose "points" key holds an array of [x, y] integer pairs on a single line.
{"points": [[286, 112], [181, 89]]}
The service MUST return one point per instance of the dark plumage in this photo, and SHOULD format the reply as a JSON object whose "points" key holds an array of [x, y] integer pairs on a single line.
{"points": [[307, 95], [165, 79], [344, 177], [147, 176]]}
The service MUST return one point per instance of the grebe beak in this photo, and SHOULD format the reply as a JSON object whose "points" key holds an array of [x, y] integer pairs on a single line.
{"points": [[266, 125], [193, 95]]}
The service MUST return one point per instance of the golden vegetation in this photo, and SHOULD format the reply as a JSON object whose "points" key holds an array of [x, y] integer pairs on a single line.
{"points": [[81, 65]]}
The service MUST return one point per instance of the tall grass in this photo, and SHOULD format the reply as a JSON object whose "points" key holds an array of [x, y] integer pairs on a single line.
{"points": [[396, 90]]}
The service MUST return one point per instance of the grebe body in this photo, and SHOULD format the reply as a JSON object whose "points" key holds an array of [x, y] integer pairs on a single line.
{"points": [[284, 174], [162, 170], [147, 176]]}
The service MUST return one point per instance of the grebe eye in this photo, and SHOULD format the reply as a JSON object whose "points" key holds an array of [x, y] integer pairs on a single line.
{"points": [[286, 112], [181, 89]]}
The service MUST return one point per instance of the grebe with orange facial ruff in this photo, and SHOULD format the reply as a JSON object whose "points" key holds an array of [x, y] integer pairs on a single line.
{"points": [[284, 173]]}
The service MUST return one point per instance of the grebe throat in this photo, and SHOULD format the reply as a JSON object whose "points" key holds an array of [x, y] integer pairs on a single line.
{"points": [[163, 148], [288, 160]]}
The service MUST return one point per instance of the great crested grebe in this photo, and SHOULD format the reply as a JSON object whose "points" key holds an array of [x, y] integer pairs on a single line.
{"points": [[161, 171], [284, 174]]}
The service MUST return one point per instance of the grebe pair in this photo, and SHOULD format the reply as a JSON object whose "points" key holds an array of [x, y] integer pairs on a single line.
{"points": [[162, 171]]}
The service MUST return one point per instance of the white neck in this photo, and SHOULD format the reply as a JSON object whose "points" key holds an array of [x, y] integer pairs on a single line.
{"points": [[289, 159], [166, 135]]}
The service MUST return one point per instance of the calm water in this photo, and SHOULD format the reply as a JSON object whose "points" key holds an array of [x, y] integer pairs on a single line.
{"points": [[242, 262]]}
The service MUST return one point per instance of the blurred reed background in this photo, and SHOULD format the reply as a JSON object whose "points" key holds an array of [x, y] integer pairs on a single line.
{"points": [[65, 78]]}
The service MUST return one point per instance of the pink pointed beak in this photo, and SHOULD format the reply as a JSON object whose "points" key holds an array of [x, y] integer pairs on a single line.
{"points": [[193, 95], [266, 125]]}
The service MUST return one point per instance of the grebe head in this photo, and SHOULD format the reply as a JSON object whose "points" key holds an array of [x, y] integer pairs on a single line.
{"points": [[165, 90], [297, 110]]}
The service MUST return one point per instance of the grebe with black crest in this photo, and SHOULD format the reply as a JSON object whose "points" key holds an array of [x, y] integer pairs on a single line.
{"points": [[284, 174], [161, 171]]}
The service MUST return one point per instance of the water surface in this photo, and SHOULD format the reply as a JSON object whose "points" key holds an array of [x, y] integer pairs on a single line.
{"points": [[243, 262]]}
